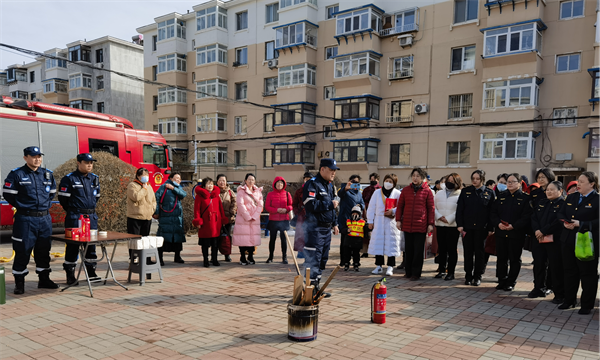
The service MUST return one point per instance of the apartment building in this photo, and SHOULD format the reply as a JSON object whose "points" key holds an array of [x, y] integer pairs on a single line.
{"points": [[451, 86], [58, 81]]}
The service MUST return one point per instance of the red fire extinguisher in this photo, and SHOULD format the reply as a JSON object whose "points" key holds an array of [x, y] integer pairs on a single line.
{"points": [[378, 302]]}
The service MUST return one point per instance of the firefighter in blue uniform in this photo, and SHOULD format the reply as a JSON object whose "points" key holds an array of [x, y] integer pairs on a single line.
{"points": [[30, 190], [320, 203], [78, 193]]}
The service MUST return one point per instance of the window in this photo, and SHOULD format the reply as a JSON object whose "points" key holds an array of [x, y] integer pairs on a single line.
{"points": [[458, 152], [332, 10], [154, 40], [299, 153], [463, 58], [514, 145], [99, 55], [400, 111], [297, 74], [111, 147], [270, 52], [52, 63], [241, 56], [99, 82], [211, 53], [268, 158], [299, 33], [295, 114], [166, 29], [32, 76], [272, 14], [286, 3], [328, 132], [331, 52], [155, 104], [567, 63], [241, 91], [240, 157], [193, 108], [364, 107], [405, 21], [210, 88], [355, 150], [358, 20], [79, 53], [465, 10], [32, 97], [82, 104], [596, 85], [351, 65], [212, 156], [594, 148], [19, 94], [240, 125], [460, 106], [520, 92], [399, 154], [211, 17], [172, 62], [80, 80], [100, 107], [571, 9], [329, 92], [402, 68], [154, 154], [512, 39], [173, 125], [211, 122], [171, 95], [154, 72], [241, 20], [269, 122], [270, 86], [55, 86], [565, 117]]}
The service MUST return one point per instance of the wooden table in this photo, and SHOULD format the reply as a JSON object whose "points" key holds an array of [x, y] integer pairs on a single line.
{"points": [[111, 238]]}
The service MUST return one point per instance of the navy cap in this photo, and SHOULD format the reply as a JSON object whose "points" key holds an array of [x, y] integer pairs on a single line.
{"points": [[85, 157], [32, 150], [330, 163]]}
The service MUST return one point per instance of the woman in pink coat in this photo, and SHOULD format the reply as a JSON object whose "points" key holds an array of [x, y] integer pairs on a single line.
{"points": [[246, 232]]}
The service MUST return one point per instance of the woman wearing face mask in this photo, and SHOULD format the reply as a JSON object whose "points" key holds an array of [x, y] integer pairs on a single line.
{"points": [[547, 255], [502, 178], [169, 213], [209, 217], [446, 202], [246, 232], [279, 205], [580, 215], [511, 215], [415, 216], [385, 238], [141, 204], [230, 209]]}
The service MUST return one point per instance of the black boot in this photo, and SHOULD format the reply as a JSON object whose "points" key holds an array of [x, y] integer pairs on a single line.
{"points": [[19, 284], [70, 271], [251, 256], [228, 258], [91, 270], [177, 258], [205, 253], [284, 259], [243, 260], [214, 253], [270, 259], [45, 282], [401, 266], [315, 283]]}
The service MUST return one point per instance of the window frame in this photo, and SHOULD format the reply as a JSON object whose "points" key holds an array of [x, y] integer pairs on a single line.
{"points": [[329, 132], [82, 105], [216, 53], [52, 85], [508, 31], [241, 54], [462, 58], [238, 159], [241, 20], [507, 87], [304, 71], [99, 82], [569, 59], [265, 163], [565, 120], [178, 96], [268, 92], [211, 88], [272, 51], [211, 122], [172, 28], [172, 62], [344, 27], [100, 107], [330, 91], [397, 150], [465, 105], [402, 72], [572, 2], [353, 62], [302, 153], [274, 13], [594, 151], [330, 10], [299, 33], [269, 118], [294, 114], [466, 14], [240, 125], [99, 55], [218, 153], [53, 63], [350, 145], [352, 107], [459, 157], [81, 80], [495, 141], [241, 90], [286, 3], [329, 55], [214, 16]]}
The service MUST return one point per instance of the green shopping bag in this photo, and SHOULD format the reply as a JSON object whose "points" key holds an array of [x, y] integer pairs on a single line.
{"points": [[584, 247]]}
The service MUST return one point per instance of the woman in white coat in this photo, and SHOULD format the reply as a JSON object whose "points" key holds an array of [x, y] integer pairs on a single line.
{"points": [[385, 237], [446, 201]]}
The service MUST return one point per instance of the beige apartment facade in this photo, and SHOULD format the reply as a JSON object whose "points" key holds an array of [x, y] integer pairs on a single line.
{"points": [[451, 86]]}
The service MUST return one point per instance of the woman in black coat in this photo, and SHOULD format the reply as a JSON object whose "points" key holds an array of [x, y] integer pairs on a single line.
{"points": [[547, 255], [580, 214]]}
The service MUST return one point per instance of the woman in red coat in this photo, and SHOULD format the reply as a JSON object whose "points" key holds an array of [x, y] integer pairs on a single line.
{"points": [[209, 217], [279, 205], [415, 216]]}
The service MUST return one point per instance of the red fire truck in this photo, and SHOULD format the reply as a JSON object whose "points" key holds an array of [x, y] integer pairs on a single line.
{"points": [[62, 132]]}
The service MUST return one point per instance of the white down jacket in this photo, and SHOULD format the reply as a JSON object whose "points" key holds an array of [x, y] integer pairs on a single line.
{"points": [[445, 205], [385, 238]]}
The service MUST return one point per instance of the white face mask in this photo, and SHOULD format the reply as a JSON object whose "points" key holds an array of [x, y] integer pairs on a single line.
{"points": [[388, 186]]}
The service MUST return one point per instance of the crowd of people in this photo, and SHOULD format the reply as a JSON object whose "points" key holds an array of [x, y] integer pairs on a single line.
{"points": [[499, 218]]}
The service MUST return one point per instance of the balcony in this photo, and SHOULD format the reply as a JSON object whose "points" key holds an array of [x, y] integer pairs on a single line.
{"points": [[401, 29], [401, 74], [399, 119]]}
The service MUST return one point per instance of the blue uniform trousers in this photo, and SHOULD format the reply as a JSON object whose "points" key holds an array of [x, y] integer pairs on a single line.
{"points": [[316, 249], [31, 233]]}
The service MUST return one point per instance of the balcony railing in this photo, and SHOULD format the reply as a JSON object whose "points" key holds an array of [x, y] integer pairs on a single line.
{"points": [[398, 119], [399, 29], [401, 74]]}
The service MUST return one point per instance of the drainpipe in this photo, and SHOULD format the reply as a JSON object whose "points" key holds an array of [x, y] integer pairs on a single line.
{"points": [[597, 25]]}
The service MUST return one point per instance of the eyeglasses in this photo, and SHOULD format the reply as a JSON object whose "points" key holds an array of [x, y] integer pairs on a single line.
{"points": [[513, 182]]}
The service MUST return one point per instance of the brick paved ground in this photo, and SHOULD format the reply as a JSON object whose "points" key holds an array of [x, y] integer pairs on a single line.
{"points": [[236, 312]]}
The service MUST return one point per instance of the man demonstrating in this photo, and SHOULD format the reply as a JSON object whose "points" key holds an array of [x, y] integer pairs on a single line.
{"points": [[319, 203], [78, 193], [30, 190], [366, 195]]}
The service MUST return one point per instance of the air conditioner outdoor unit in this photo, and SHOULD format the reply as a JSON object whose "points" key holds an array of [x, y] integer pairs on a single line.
{"points": [[273, 63], [405, 40], [420, 108], [564, 157]]}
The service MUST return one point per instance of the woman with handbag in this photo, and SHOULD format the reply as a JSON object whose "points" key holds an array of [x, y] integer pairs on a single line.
{"points": [[580, 218], [209, 217], [279, 205], [547, 254], [246, 232], [230, 209], [169, 213]]}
